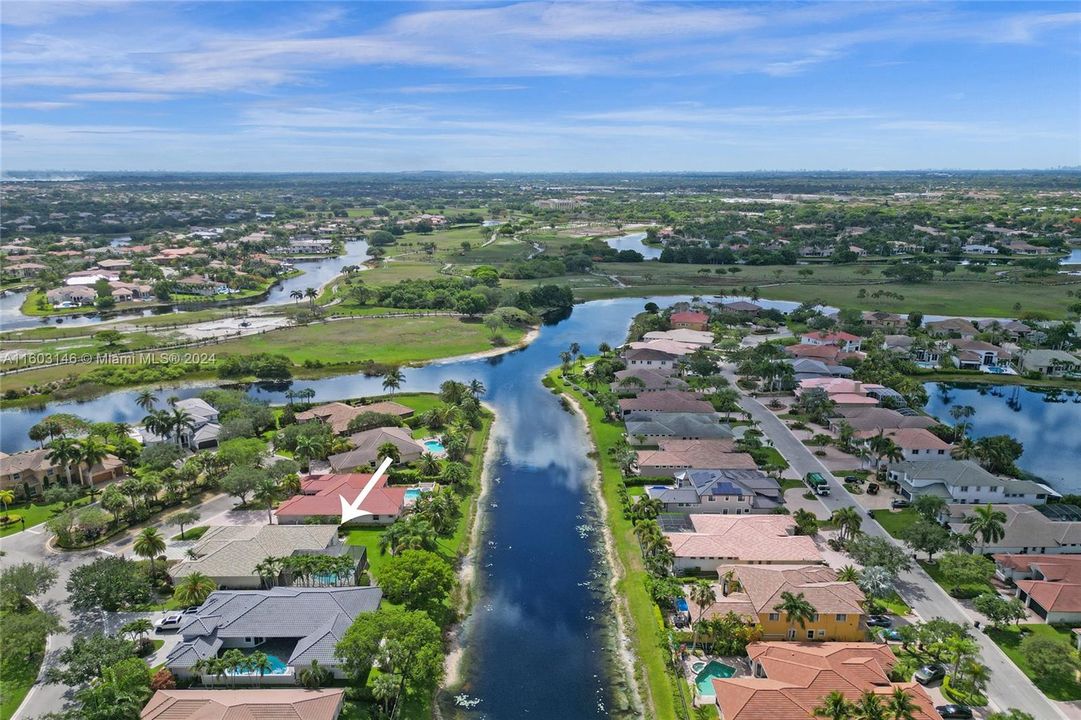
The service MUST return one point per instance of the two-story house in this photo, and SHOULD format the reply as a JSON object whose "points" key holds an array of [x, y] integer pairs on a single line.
{"points": [[846, 341], [964, 482], [737, 491]]}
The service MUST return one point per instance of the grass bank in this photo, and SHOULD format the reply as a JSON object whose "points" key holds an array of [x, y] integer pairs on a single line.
{"points": [[644, 624], [1009, 640]]}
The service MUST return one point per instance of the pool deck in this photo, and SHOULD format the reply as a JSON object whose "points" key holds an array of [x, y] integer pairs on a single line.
{"points": [[739, 664]]}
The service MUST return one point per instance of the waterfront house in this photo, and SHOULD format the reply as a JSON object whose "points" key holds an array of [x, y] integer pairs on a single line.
{"points": [[884, 321], [689, 320], [221, 704], [709, 540], [672, 347], [977, 355], [830, 354], [24, 270], [366, 446], [807, 368], [293, 625], [1052, 363], [30, 473], [742, 306], [71, 296], [964, 482], [788, 680], [877, 418], [688, 337], [666, 401], [1044, 530], [230, 554], [976, 249], [202, 434], [672, 455], [727, 491], [1049, 586], [338, 415], [652, 358], [319, 501], [915, 443], [753, 592], [649, 428], [639, 380]]}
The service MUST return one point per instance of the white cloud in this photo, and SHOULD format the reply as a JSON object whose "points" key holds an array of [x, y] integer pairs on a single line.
{"points": [[37, 105]]}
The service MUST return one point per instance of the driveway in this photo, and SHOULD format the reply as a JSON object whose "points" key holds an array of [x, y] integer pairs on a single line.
{"points": [[30, 546], [1009, 687]]}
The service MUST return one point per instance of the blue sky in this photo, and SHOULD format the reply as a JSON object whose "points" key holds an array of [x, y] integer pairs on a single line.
{"points": [[535, 86]]}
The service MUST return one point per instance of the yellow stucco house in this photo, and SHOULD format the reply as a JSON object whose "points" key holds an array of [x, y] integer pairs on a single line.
{"points": [[754, 591]]}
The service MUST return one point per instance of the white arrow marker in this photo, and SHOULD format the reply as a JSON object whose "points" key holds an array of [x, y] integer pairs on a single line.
{"points": [[351, 511]]}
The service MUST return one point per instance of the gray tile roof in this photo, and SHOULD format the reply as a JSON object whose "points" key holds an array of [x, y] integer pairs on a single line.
{"points": [[235, 550], [316, 618], [679, 425]]}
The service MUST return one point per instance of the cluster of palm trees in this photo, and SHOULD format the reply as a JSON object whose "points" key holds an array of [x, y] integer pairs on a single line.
{"points": [[899, 705], [434, 515], [848, 520], [71, 452], [304, 395], [176, 423], [231, 664], [308, 570], [310, 293]]}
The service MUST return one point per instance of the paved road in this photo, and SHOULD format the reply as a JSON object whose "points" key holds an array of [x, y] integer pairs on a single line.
{"points": [[1009, 686], [30, 546]]}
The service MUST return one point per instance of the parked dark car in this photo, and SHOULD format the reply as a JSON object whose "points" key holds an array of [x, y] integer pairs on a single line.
{"points": [[872, 488], [954, 712], [854, 479], [882, 621], [929, 674], [898, 503]]}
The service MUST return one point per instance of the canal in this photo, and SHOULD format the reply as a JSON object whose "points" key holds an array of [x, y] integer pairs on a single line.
{"points": [[1047, 422], [537, 643]]}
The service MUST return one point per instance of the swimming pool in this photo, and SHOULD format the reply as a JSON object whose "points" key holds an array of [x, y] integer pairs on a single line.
{"points": [[277, 667], [412, 494], [704, 679], [434, 447]]}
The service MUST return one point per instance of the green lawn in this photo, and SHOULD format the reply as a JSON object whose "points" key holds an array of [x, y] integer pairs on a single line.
{"points": [[192, 533], [34, 515], [893, 521], [1009, 640], [647, 634], [20, 660]]}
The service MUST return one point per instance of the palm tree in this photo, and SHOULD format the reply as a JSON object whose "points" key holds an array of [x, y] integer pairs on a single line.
{"points": [[703, 595], [960, 413], [149, 544], [267, 493], [311, 294], [393, 379], [65, 452], [194, 589], [389, 450], [297, 296], [186, 517], [869, 707], [180, 421], [476, 387], [835, 706], [797, 610], [259, 662], [314, 676], [145, 400], [848, 573], [308, 448], [900, 706], [136, 629], [158, 422], [965, 449], [988, 523], [848, 519], [6, 498], [92, 450], [234, 661], [429, 465]]}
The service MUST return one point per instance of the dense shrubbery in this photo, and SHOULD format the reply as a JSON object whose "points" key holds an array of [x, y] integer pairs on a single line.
{"points": [[261, 365], [118, 375]]}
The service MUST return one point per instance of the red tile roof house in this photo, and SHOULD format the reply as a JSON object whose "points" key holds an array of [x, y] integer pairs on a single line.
{"points": [[666, 401], [202, 704], [831, 354], [789, 680], [674, 455], [338, 415], [915, 443], [846, 341], [1049, 585], [690, 320], [318, 501]]}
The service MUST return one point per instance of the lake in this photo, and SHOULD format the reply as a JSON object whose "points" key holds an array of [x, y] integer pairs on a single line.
{"points": [[1074, 258], [1046, 422], [635, 241], [316, 274], [537, 641]]}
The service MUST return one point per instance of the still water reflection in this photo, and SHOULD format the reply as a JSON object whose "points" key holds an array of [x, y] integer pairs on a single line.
{"points": [[535, 645], [1046, 422]]}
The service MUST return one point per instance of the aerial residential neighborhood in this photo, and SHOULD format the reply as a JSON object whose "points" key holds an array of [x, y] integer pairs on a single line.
{"points": [[577, 360]]}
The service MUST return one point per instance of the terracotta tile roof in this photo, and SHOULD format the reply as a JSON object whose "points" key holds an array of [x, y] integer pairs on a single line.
{"points": [[667, 346], [319, 496], [744, 538], [762, 586], [909, 438], [689, 317], [800, 675], [1053, 581], [337, 415], [279, 704]]}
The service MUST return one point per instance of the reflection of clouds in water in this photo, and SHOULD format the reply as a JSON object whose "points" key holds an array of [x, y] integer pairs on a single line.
{"points": [[1050, 432], [528, 440]]}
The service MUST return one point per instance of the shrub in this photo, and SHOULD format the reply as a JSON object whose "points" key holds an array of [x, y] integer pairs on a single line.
{"points": [[967, 592]]}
